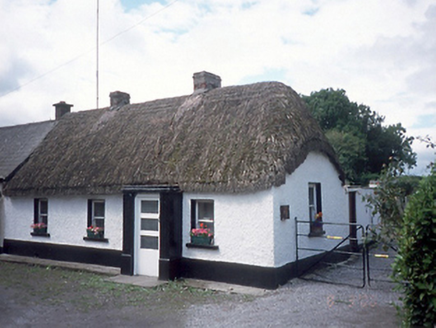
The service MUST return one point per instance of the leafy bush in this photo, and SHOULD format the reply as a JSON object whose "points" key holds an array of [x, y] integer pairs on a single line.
{"points": [[390, 198], [414, 268]]}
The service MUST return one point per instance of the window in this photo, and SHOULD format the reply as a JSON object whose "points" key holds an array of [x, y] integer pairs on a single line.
{"points": [[202, 214], [41, 211], [315, 208], [96, 212]]}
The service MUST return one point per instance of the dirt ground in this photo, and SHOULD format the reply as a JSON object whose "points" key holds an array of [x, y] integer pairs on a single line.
{"points": [[34, 296]]}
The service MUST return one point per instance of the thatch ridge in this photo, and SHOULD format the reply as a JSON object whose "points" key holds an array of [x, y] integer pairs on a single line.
{"points": [[231, 139]]}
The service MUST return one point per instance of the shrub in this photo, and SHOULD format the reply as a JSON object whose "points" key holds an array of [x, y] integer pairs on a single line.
{"points": [[414, 267], [389, 200]]}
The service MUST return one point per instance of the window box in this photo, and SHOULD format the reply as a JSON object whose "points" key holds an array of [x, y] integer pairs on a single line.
{"points": [[104, 240], [39, 229], [316, 230], [316, 227], [95, 233], [40, 232], [203, 246], [201, 240]]}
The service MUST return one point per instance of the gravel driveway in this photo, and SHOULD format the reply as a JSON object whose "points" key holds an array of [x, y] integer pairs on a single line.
{"points": [[307, 303]]}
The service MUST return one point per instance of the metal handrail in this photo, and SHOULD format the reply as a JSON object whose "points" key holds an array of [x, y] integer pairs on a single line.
{"points": [[334, 249]]}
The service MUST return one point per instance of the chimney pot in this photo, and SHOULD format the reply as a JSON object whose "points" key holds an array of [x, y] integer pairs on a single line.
{"points": [[62, 108], [205, 81], [119, 99]]}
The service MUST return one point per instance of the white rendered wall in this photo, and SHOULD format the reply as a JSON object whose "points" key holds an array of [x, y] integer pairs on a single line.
{"points": [[243, 228], [363, 212], [315, 169], [67, 220]]}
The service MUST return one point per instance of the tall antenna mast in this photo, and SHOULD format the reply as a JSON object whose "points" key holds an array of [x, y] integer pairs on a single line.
{"points": [[98, 32]]}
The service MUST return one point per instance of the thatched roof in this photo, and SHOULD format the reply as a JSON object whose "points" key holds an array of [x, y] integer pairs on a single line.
{"points": [[17, 143], [231, 139]]}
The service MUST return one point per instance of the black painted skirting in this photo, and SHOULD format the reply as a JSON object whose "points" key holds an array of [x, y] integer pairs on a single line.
{"points": [[233, 273], [169, 269], [250, 275], [240, 274], [63, 252]]}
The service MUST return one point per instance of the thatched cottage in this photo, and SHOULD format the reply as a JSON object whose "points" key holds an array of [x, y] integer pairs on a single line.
{"points": [[240, 161]]}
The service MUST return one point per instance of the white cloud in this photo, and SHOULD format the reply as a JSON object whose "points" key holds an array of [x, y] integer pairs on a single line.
{"points": [[381, 52]]}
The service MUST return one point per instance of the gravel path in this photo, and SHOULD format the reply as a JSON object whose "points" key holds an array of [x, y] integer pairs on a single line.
{"points": [[306, 303]]}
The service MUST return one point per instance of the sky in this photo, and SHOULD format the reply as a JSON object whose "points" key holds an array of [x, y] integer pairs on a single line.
{"points": [[382, 53]]}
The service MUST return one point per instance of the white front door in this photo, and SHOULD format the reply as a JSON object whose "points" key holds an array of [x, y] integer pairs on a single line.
{"points": [[147, 235]]}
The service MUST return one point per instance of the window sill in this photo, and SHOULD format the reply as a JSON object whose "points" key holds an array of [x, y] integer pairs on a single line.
{"points": [[38, 234], [191, 245], [101, 240]]}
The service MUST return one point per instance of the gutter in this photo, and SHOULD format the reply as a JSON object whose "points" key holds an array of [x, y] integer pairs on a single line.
{"points": [[148, 188]]}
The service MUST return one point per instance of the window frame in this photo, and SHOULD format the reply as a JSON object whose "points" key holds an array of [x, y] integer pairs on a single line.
{"points": [[91, 213], [314, 203], [207, 221], [39, 217], [91, 220], [196, 220]]}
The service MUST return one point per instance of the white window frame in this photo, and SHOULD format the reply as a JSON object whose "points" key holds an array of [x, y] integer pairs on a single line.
{"points": [[94, 217], [208, 221], [40, 216], [314, 202], [312, 205]]}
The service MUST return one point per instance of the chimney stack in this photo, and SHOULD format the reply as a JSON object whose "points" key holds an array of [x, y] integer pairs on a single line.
{"points": [[62, 108], [205, 81], [119, 99]]}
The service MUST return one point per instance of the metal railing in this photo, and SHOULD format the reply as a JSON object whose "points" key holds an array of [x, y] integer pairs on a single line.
{"points": [[380, 255], [345, 246]]}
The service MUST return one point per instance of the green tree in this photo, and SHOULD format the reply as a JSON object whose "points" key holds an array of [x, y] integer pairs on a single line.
{"points": [[415, 263], [362, 142], [389, 200], [351, 151], [407, 209]]}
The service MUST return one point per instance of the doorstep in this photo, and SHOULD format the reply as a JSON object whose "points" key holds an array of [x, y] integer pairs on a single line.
{"points": [[150, 282], [223, 287], [142, 281]]}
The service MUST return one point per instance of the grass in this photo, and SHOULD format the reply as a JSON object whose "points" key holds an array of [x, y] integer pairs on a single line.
{"points": [[89, 291]]}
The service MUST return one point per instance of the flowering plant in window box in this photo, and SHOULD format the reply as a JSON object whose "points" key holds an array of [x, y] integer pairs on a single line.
{"points": [[317, 224], [39, 228], [95, 232], [201, 236]]}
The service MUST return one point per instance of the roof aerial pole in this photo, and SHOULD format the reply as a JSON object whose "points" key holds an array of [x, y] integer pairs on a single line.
{"points": [[97, 54]]}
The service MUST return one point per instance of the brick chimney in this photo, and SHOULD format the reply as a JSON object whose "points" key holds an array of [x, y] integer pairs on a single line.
{"points": [[62, 108], [205, 81], [119, 99]]}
